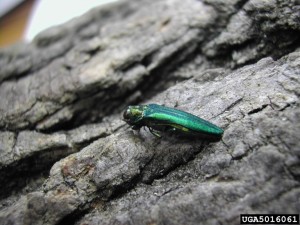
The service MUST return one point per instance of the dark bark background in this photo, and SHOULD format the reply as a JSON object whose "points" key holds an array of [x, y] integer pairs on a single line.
{"points": [[66, 157]]}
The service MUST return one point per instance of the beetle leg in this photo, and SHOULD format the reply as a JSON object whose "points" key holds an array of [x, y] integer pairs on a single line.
{"points": [[155, 133], [135, 127]]}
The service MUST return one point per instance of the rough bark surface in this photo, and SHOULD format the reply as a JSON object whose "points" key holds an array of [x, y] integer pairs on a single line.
{"points": [[66, 157]]}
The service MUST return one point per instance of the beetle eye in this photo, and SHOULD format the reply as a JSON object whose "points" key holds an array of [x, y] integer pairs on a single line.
{"points": [[126, 115]]}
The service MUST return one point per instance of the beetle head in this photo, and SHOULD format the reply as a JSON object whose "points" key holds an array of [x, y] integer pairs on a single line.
{"points": [[133, 114]]}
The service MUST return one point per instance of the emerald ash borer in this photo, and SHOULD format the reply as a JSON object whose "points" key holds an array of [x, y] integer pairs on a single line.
{"points": [[159, 118]]}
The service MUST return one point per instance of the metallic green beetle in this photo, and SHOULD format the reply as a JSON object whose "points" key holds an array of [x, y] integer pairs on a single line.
{"points": [[161, 118]]}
